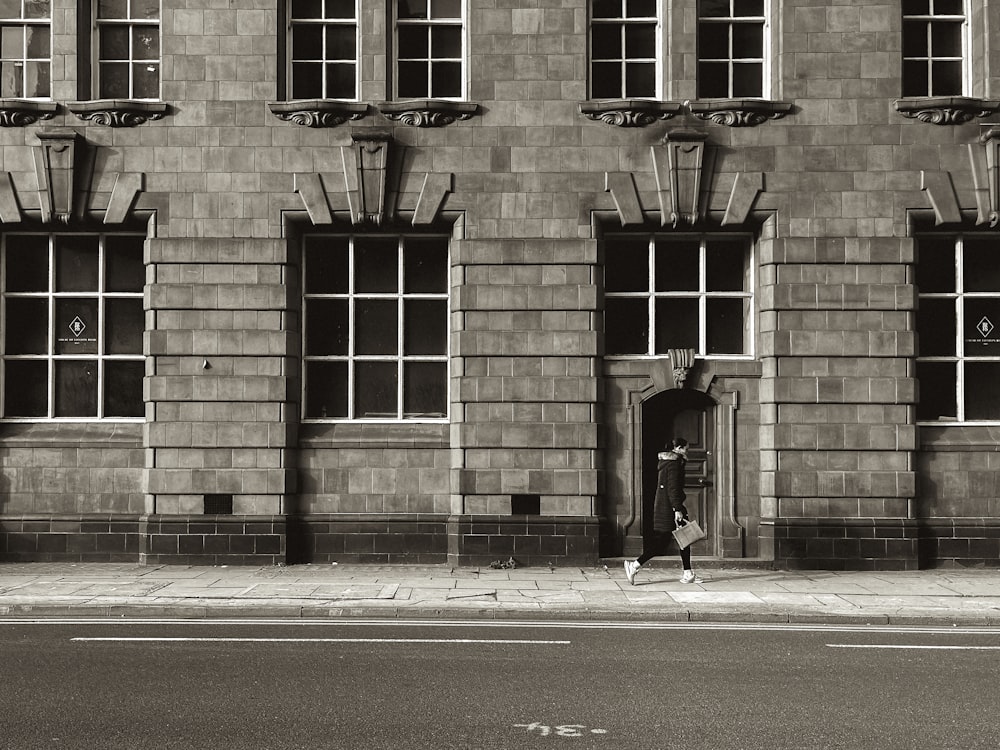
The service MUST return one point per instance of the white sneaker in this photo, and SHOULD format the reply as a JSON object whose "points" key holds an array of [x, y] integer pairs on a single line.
{"points": [[690, 577], [631, 568]]}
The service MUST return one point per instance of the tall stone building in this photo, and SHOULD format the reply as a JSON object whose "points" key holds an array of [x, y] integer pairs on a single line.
{"points": [[434, 280]]}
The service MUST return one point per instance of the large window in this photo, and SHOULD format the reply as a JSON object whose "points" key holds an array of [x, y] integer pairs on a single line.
{"points": [[934, 44], [376, 327], [72, 326], [324, 49], [623, 49], [430, 49], [958, 328], [666, 293], [732, 49], [25, 49], [128, 49]]}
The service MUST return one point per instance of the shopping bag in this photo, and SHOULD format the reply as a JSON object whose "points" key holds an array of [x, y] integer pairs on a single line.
{"points": [[688, 534]]}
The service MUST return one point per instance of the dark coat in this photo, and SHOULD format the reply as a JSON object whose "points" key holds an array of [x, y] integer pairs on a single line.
{"points": [[669, 491]]}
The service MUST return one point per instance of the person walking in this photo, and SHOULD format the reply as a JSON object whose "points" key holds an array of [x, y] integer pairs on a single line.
{"points": [[669, 511]]}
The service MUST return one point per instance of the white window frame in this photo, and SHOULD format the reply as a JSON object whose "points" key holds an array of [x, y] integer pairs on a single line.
{"points": [[961, 357], [703, 295], [964, 59], [23, 60], [354, 21], [461, 22], [624, 20], [129, 22], [765, 60], [50, 357], [352, 358]]}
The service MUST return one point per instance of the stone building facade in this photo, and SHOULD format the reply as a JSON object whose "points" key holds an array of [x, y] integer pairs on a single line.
{"points": [[433, 280]]}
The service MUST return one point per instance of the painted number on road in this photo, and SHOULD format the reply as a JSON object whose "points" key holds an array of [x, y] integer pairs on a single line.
{"points": [[563, 730]]}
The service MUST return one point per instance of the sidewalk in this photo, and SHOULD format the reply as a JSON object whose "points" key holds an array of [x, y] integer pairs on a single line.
{"points": [[933, 597]]}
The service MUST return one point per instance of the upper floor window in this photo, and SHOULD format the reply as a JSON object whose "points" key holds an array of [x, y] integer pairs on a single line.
{"points": [[732, 49], [934, 47], [323, 39], [375, 327], [623, 49], [958, 325], [430, 49], [25, 49], [665, 292], [128, 49], [72, 326]]}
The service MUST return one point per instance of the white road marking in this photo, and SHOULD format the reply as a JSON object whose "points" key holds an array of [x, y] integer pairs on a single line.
{"points": [[166, 639], [915, 647]]}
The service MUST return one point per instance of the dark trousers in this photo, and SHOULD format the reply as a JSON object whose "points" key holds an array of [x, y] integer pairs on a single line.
{"points": [[656, 545]]}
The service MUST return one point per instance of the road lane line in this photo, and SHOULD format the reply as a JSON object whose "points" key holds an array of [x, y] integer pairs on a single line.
{"points": [[183, 639], [913, 647]]}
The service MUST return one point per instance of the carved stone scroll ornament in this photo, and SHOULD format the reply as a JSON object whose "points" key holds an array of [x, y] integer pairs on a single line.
{"points": [[629, 113], [318, 113], [946, 110], [682, 360], [428, 113], [18, 113], [118, 113], [739, 113]]}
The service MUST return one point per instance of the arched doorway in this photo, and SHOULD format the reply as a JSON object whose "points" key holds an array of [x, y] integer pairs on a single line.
{"points": [[689, 414]]}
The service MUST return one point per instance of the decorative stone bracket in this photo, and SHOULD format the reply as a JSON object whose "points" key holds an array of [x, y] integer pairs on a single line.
{"points": [[629, 113], [984, 160], [428, 113], [18, 113], [642, 112], [318, 113], [118, 113], [363, 188], [739, 113], [681, 360], [946, 110]]}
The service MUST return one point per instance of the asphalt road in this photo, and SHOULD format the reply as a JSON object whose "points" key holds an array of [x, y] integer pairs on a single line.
{"points": [[278, 686]]}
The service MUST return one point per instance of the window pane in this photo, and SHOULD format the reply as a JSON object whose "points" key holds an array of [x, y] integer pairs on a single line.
{"points": [[935, 264], [37, 79], [327, 327], [425, 389], [626, 326], [640, 79], [713, 8], [936, 328], [376, 391], [946, 39], [376, 327], [341, 42], [914, 38], [982, 265], [340, 8], [725, 266], [413, 42], [376, 265], [26, 389], [426, 266], [446, 79], [725, 322], [38, 41], [446, 8], [146, 81], [949, 7], [937, 390], [308, 8], [915, 81], [326, 390], [112, 9], [307, 80], [748, 7], [76, 326], [915, 7], [946, 78], [11, 81], [76, 263], [327, 265], [123, 389], [307, 42], [606, 80], [748, 40], [26, 326], [27, 263], [425, 326], [76, 388], [340, 81], [37, 9], [114, 80], [982, 390], [676, 324], [123, 326], [607, 9], [982, 327], [10, 8], [626, 267], [641, 8], [411, 9], [145, 42], [114, 43], [147, 10], [640, 40], [412, 79], [125, 270], [748, 79], [446, 41], [606, 41], [12, 42], [713, 42], [713, 80], [677, 266]]}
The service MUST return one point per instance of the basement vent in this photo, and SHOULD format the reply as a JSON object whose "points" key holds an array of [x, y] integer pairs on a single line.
{"points": [[218, 505], [525, 505]]}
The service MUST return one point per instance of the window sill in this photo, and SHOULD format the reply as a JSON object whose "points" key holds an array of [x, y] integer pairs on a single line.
{"points": [[71, 434], [428, 113], [946, 110], [329, 435], [118, 113], [629, 113], [17, 113], [739, 113], [318, 113]]}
